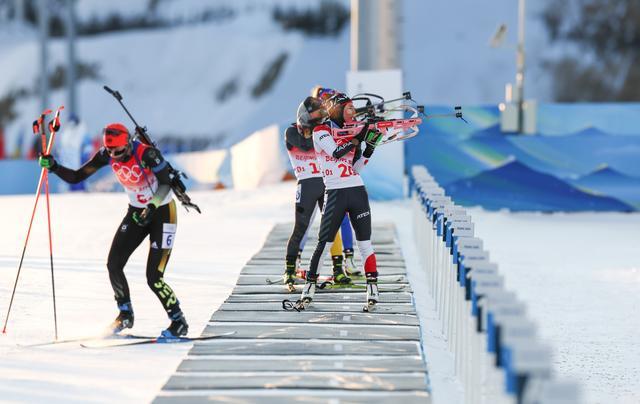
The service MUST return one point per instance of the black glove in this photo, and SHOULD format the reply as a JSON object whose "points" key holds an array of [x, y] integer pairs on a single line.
{"points": [[144, 218], [357, 154], [361, 135], [373, 138], [368, 151], [47, 161]]}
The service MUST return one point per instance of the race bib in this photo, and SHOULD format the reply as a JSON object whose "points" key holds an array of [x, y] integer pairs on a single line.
{"points": [[168, 235]]}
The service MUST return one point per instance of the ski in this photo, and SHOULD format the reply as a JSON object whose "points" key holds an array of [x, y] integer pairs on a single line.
{"points": [[329, 279], [328, 286], [280, 281], [154, 340], [106, 337]]}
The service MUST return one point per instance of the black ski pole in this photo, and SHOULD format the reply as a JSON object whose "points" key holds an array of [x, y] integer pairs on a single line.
{"points": [[54, 126]]}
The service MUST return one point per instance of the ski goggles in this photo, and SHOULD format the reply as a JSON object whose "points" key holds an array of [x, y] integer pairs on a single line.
{"points": [[326, 92], [113, 132], [116, 152]]}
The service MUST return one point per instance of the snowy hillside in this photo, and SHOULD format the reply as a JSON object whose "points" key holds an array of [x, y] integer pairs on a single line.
{"points": [[196, 77], [201, 80]]}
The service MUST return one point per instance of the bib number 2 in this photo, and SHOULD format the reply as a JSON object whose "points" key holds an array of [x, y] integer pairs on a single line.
{"points": [[347, 171]]}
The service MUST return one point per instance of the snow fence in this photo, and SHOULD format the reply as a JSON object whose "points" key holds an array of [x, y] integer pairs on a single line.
{"points": [[499, 357]]}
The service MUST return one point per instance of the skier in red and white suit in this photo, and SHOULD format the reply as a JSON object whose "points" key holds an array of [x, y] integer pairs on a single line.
{"points": [[341, 161]]}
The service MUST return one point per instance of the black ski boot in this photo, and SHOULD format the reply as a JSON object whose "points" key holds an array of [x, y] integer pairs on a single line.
{"points": [[124, 319], [373, 295], [339, 277], [308, 291], [177, 328], [289, 276]]}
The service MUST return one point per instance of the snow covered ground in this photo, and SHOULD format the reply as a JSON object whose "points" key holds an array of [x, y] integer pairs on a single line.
{"points": [[578, 274], [580, 277]]}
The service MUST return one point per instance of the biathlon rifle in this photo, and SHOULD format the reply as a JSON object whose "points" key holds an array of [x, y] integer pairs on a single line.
{"points": [[373, 115], [177, 185]]}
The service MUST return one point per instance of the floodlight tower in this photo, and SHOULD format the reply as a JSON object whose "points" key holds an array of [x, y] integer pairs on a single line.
{"points": [[71, 57], [376, 61], [43, 24], [376, 35], [516, 114]]}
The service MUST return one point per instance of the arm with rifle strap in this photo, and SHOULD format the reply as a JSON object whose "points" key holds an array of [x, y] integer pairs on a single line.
{"points": [[151, 158]]}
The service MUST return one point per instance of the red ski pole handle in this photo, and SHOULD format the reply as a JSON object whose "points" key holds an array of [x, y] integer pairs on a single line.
{"points": [[41, 129], [54, 126]]}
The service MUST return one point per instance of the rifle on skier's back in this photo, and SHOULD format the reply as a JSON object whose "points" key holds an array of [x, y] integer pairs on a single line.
{"points": [[177, 185]]}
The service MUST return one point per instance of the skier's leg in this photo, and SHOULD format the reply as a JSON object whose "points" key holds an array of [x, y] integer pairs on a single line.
{"points": [[360, 215], [329, 224], [303, 242], [163, 228], [127, 238], [336, 247], [319, 202], [347, 235], [308, 191], [161, 238], [347, 242], [339, 275]]}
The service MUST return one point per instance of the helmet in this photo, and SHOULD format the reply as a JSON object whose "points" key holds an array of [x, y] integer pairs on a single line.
{"points": [[310, 113], [115, 135], [336, 105]]}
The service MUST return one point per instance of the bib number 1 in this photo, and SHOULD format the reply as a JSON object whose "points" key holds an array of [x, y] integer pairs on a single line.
{"points": [[314, 168]]}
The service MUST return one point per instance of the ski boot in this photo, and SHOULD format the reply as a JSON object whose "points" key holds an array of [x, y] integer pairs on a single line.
{"points": [[124, 319], [289, 277], [308, 292], [177, 328], [339, 277], [350, 267], [372, 292]]}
